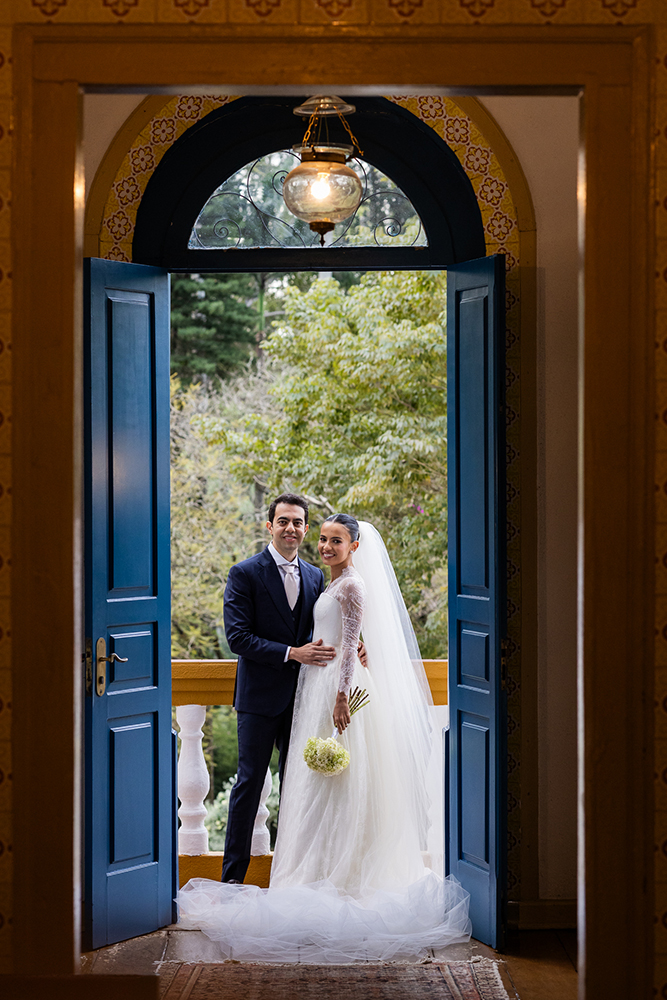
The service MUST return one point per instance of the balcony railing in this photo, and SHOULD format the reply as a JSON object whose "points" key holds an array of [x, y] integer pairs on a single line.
{"points": [[196, 684], [211, 682]]}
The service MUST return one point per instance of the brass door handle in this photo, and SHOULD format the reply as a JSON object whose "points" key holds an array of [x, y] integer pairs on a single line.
{"points": [[101, 660]]}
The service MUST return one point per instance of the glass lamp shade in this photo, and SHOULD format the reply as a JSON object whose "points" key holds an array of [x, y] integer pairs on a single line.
{"points": [[322, 192]]}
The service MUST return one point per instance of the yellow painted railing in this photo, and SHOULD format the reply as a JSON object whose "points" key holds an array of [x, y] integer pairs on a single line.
{"points": [[211, 682]]}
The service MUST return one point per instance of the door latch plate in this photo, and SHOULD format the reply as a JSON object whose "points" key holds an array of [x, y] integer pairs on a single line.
{"points": [[101, 666]]}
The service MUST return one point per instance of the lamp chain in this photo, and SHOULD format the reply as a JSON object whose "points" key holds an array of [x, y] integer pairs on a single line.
{"points": [[314, 117], [351, 134]]}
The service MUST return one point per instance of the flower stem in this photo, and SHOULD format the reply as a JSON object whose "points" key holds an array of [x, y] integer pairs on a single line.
{"points": [[358, 699]]}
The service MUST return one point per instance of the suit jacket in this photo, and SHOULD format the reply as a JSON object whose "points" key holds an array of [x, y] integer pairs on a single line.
{"points": [[259, 624]]}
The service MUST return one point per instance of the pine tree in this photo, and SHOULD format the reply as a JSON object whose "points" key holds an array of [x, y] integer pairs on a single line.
{"points": [[213, 324]]}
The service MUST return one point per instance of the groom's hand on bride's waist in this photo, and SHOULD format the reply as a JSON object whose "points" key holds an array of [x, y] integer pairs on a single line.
{"points": [[314, 654]]}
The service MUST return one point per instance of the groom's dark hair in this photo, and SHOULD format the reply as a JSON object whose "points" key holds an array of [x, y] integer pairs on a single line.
{"points": [[291, 498]]}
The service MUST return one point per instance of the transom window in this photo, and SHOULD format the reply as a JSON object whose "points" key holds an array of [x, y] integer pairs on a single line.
{"points": [[247, 211]]}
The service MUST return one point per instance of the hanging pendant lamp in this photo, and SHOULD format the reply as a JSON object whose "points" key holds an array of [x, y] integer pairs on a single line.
{"points": [[323, 190]]}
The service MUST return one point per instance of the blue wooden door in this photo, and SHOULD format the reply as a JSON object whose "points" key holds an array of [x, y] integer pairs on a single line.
{"points": [[475, 468], [129, 787]]}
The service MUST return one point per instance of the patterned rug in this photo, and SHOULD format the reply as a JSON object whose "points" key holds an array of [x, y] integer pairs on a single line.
{"points": [[478, 980]]}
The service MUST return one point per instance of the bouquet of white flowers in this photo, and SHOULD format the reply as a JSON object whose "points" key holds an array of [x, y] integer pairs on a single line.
{"points": [[328, 756]]}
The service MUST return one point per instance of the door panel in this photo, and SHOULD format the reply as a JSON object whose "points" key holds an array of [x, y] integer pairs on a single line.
{"points": [[473, 779], [475, 380], [131, 398], [129, 775], [473, 666], [132, 765], [136, 645]]}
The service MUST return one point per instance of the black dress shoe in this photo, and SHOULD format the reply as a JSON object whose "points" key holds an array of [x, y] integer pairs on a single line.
{"points": [[232, 881]]}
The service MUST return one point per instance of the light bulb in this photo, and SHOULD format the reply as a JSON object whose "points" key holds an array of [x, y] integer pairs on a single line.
{"points": [[321, 188]]}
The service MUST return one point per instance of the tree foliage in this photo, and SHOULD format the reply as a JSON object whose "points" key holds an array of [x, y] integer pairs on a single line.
{"points": [[214, 323], [353, 413], [212, 524]]}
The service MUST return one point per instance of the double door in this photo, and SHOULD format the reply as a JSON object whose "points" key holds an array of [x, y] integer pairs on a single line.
{"points": [[130, 848]]}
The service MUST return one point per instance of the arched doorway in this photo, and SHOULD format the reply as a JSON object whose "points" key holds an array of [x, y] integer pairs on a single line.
{"points": [[504, 201], [442, 194]]}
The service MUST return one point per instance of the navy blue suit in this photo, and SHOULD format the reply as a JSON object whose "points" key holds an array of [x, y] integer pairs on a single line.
{"points": [[259, 624]]}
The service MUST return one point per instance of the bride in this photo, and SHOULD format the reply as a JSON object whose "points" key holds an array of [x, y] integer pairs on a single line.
{"points": [[350, 879]]}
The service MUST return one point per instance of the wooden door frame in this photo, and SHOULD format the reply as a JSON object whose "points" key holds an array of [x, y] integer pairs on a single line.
{"points": [[53, 64]]}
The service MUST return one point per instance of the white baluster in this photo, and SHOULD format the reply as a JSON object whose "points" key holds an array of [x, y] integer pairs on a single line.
{"points": [[261, 839], [193, 780]]}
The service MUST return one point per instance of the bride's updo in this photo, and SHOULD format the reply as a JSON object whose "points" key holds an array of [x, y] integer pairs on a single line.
{"points": [[348, 522]]}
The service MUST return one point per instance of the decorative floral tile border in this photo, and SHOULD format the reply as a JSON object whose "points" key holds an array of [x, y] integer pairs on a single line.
{"points": [[441, 113], [262, 12], [138, 166]]}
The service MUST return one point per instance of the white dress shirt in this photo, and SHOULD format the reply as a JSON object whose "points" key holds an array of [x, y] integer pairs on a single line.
{"points": [[281, 562]]}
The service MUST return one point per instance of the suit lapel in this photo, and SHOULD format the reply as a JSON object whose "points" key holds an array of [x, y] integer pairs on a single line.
{"points": [[273, 582]]}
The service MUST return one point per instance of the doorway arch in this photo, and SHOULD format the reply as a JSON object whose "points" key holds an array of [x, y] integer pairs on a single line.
{"points": [[395, 141], [500, 186], [505, 204]]}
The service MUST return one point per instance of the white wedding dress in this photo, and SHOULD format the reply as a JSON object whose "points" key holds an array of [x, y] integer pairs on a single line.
{"points": [[348, 879]]}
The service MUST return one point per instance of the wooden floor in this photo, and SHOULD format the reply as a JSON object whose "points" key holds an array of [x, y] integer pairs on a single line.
{"points": [[542, 965], [538, 965]]}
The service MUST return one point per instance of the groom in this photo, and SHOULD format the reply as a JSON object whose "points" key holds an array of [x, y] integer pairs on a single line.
{"points": [[269, 602]]}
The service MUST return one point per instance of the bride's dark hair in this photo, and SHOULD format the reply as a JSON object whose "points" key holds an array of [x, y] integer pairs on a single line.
{"points": [[347, 521]]}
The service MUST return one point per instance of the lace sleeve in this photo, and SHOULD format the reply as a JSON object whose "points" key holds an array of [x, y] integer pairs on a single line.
{"points": [[351, 595]]}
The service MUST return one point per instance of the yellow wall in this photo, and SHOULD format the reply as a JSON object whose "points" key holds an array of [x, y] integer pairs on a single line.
{"points": [[261, 13]]}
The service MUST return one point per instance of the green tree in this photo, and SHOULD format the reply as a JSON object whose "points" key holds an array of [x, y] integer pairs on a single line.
{"points": [[354, 415], [212, 524], [213, 324]]}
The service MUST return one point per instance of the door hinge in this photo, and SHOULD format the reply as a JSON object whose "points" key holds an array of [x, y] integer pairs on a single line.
{"points": [[88, 659], [504, 645]]}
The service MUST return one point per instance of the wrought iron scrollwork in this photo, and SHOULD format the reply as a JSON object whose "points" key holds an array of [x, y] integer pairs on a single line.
{"points": [[247, 211]]}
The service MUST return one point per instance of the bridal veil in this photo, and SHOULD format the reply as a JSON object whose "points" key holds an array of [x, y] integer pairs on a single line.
{"points": [[395, 662]]}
